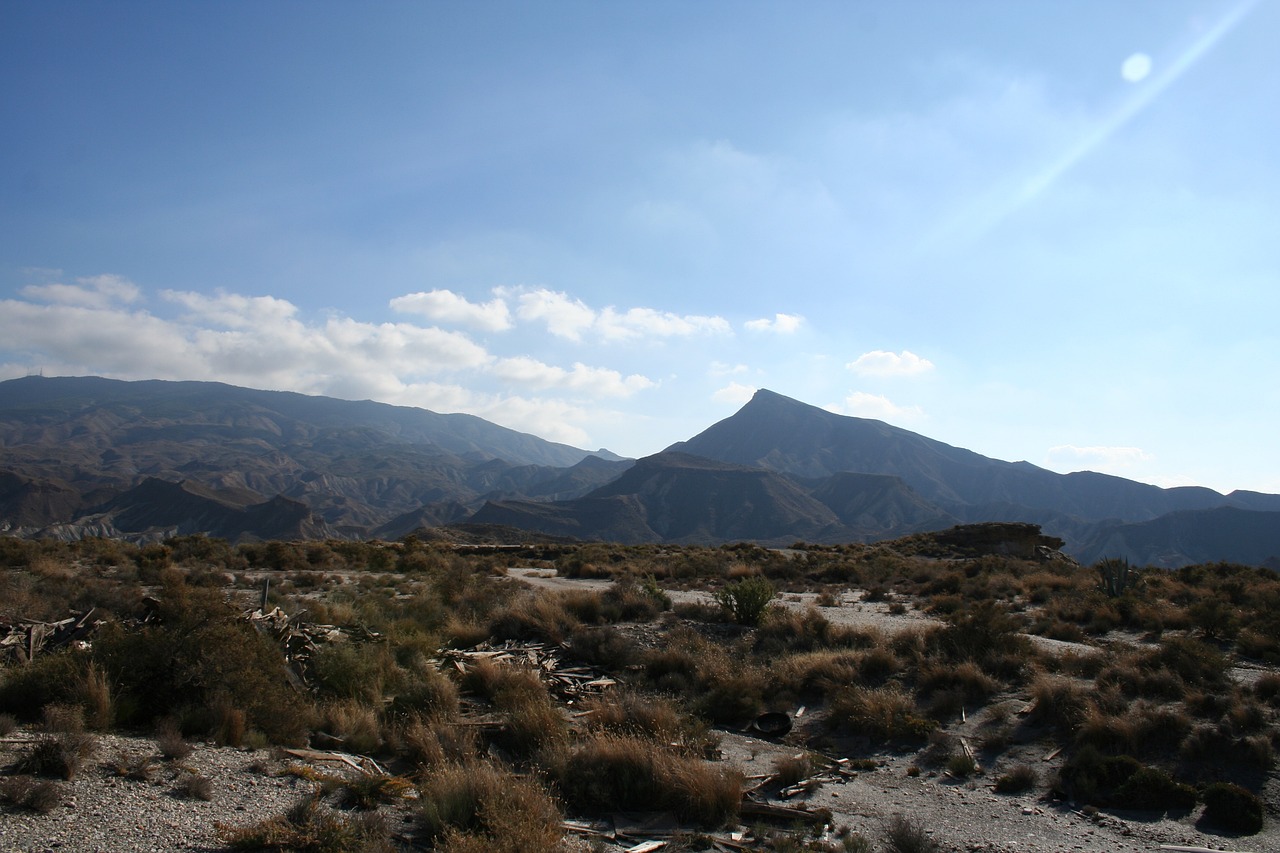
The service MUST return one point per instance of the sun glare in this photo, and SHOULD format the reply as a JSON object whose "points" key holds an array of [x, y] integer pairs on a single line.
{"points": [[1136, 68]]}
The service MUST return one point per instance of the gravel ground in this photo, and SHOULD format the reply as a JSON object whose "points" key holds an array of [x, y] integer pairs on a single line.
{"points": [[102, 812]]}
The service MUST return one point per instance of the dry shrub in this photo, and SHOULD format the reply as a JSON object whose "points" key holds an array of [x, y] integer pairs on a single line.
{"points": [[882, 714], [429, 743], [354, 724], [171, 743], [310, 826], [655, 718], [430, 694], [531, 721], [537, 615], [58, 756], [817, 673], [903, 835], [198, 653], [1059, 702], [8, 723], [1018, 779], [368, 791], [480, 806], [193, 786], [35, 795], [609, 773]]}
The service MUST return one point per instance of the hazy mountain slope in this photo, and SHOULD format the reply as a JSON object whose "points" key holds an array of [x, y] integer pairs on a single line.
{"points": [[776, 432], [674, 497], [1183, 538], [879, 505], [90, 411], [357, 465]]}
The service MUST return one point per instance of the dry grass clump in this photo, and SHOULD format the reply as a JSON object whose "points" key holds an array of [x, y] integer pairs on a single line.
{"points": [[882, 714], [543, 615], [193, 786], [367, 791], [59, 756], [1058, 701], [428, 743], [818, 673], [903, 835], [720, 681], [135, 768], [481, 806], [604, 646], [531, 721], [169, 740], [24, 792], [656, 718], [609, 772], [966, 680], [1018, 779], [311, 826], [351, 725]]}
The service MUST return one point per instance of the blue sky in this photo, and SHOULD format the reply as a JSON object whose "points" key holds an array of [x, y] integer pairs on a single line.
{"points": [[1042, 231]]}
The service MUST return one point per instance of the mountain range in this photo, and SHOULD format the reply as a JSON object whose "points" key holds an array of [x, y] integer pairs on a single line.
{"points": [[83, 456]]}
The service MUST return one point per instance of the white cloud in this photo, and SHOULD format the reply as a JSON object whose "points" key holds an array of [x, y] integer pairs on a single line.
{"points": [[231, 310], [646, 322], [99, 291], [565, 317], [571, 318], [1110, 458], [265, 342], [881, 363], [734, 393], [445, 306], [719, 368], [595, 381], [782, 324], [863, 405]]}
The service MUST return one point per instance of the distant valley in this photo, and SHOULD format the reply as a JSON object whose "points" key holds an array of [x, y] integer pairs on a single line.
{"points": [[84, 456]]}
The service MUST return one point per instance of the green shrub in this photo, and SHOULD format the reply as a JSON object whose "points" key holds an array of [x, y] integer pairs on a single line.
{"points": [[196, 661], [1233, 808], [1121, 781], [746, 600]]}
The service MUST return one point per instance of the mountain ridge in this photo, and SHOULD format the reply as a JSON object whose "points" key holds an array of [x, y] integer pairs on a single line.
{"points": [[76, 453]]}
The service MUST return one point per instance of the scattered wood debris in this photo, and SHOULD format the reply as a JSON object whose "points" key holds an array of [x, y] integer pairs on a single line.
{"points": [[300, 640], [21, 641], [568, 680]]}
